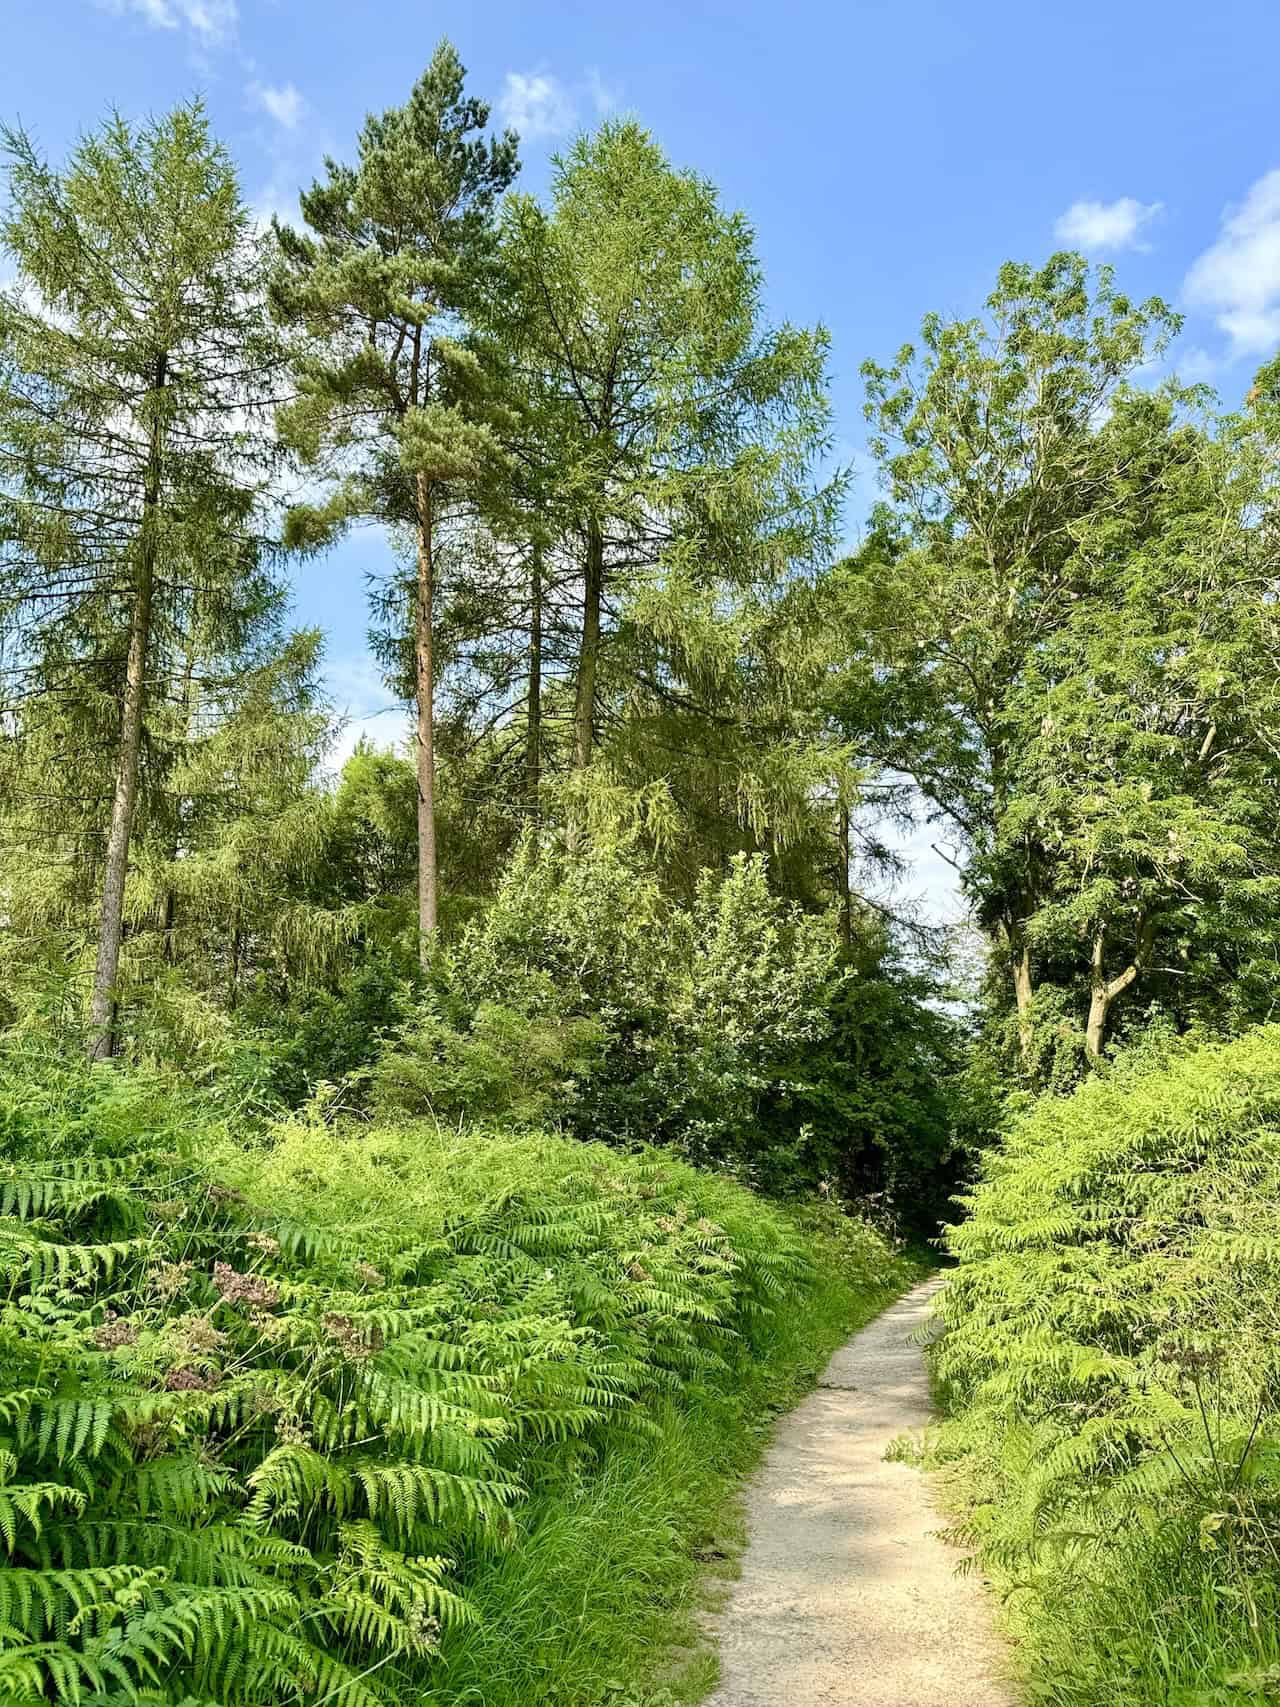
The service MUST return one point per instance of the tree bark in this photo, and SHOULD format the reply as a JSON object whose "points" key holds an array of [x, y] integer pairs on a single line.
{"points": [[102, 1005], [170, 897], [170, 927], [533, 717], [842, 878], [425, 687], [1103, 991], [1023, 994], [589, 651], [233, 971]]}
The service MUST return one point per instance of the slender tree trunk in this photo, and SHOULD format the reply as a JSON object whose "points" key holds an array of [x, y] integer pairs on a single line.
{"points": [[424, 665], [116, 864], [533, 718], [233, 971], [1095, 1029], [170, 897], [842, 878], [1103, 991], [589, 652], [1023, 993], [170, 927]]}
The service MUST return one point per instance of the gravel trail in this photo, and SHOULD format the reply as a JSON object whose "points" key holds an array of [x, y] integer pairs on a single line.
{"points": [[847, 1597]]}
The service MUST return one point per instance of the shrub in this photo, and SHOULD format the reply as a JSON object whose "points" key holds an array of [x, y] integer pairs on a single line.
{"points": [[1112, 1356], [269, 1415], [584, 993], [504, 1066], [324, 1035], [882, 1106]]}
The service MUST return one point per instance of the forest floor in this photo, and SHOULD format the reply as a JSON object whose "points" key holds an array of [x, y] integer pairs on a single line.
{"points": [[848, 1597]]}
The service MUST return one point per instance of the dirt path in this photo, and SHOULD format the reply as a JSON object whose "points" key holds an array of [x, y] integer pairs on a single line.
{"points": [[847, 1598]]}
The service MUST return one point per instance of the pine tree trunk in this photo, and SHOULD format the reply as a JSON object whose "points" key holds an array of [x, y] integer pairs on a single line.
{"points": [[589, 652], [171, 897], [533, 718], [233, 972], [425, 686], [170, 927], [102, 1006]]}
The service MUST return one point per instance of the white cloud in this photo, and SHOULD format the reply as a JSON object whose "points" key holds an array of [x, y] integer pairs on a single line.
{"points": [[388, 731], [536, 105], [540, 106], [274, 201], [284, 103], [1106, 225], [1238, 277], [209, 21], [604, 97], [1198, 366], [360, 699]]}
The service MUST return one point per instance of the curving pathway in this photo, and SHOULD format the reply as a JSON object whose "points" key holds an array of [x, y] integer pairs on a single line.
{"points": [[847, 1597]]}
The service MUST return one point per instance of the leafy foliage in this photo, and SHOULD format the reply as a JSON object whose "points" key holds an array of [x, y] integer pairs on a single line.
{"points": [[1063, 630], [267, 1414], [1110, 1349]]}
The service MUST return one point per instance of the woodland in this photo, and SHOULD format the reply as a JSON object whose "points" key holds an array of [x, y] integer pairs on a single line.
{"points": [[423, 1180]]}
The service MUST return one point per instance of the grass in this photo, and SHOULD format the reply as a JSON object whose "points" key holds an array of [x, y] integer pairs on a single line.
{"points": [[606, 1602]]}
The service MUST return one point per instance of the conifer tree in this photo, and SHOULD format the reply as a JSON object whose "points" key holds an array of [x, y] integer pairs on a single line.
{"points": [[393, 406], [684, 436], [135, 357]]}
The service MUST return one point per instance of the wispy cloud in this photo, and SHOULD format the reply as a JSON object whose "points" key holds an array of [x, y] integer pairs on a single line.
{"points": [[542, 106], [210, 22], [604, 97], [361, 700], [282, 102], [537, 105], [277, 199], [1106, 225], [1238, 277], [1198, 366]]}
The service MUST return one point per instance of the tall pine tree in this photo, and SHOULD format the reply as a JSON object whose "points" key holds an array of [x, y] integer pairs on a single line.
{"points": [[392, 406]]}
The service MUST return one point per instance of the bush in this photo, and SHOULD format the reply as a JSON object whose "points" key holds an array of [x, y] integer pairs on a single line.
{"points": [[274, 1418], [325, 1035], [504, 1066], [1111, 1355], [881, 1107], [732, 1027]]}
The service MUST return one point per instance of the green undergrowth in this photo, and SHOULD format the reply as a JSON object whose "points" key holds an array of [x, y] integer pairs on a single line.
{"points": [[359, 1414], [1111, 1362], [606, 1602]]}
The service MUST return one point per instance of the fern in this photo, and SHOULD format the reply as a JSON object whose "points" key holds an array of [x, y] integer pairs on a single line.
{"points": [[252, 1458], [1111, 1353]]}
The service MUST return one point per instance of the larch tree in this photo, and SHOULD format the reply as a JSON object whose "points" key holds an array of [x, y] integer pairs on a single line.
{"points": [[136, 364], [683, 435], [393, 407]]}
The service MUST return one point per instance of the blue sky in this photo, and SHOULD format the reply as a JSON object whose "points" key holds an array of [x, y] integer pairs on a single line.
{"points": [[890, 153]]}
